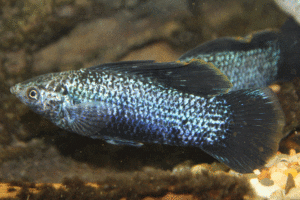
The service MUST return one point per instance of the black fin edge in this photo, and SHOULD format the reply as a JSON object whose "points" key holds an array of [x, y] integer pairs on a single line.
{"points": [[197, 76], [256, 40], [254, 136]]}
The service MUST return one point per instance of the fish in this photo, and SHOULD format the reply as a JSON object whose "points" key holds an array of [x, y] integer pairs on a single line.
{"points": [[256, 60], [172, 103]]}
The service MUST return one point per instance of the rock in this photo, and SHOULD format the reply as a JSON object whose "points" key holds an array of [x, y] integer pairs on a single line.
{"points": [[216, 166], [264, 174], [160, 52], [292, 152], [277, 159], [256, 172], [182, 167], [294, 193], [291, 171], [250, 176], [277, 195], [297, 181], [295, 158], [261, 190], [282, 165], [198, 169], [235, 173], [83, 42], [279, 178], [267, 182], [102, 40], [290, 183]]}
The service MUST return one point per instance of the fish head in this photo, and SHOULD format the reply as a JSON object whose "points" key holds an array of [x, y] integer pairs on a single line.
{"points": [[43, 94]]}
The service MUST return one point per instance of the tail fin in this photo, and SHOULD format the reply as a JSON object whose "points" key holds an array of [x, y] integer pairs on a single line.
{"points": [[255, 132], [289, 42]]}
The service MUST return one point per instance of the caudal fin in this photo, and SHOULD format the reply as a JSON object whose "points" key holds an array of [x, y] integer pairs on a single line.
{"points": [[254, 133], [289, 42]]}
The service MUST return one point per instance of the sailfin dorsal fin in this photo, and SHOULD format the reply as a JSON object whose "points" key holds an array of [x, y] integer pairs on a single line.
{"points": [[197, 76]]}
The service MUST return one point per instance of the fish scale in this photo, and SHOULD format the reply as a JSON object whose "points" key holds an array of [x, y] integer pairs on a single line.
{"points": [[195, 101], [256, 60], [131, 103], [251, 62], [169, 114]]}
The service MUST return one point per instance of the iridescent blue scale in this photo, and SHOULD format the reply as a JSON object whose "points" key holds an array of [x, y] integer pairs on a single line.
{"points": [[248, 63]]}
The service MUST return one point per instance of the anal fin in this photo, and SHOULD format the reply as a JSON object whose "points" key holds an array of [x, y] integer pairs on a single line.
{"points": [[118, 141]]}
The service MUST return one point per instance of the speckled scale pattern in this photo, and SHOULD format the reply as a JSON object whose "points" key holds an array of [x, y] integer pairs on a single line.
{"points": [[245, 69], [140, 109], [130, 103]]}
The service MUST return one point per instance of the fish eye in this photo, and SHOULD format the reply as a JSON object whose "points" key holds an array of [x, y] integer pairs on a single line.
{"points": [[32, 93]]}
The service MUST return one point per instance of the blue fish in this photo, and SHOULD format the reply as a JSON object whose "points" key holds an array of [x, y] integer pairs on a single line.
{"points": [[256, 60], [174, 103]]}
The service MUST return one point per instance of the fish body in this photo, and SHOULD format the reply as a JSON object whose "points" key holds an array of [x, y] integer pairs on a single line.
{"points": [[256, 60], [249, 62], [175, 103]]}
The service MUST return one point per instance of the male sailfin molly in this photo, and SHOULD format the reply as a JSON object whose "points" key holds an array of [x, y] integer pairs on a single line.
{"points": [[175, 103], [256, 60]]}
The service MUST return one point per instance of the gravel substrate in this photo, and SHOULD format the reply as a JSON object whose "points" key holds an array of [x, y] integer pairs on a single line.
{"points": [[281, 180]]}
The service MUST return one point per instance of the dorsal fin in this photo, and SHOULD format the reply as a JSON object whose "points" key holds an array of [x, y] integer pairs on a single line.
{"points": [[256, 40], [197, 77], [122, 64]]}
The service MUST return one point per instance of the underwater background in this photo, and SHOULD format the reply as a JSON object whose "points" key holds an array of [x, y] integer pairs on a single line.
{"points": [[38, 37]]}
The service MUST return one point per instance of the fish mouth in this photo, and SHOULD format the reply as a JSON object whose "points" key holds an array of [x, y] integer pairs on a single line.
{"points": [[13, 89]]}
